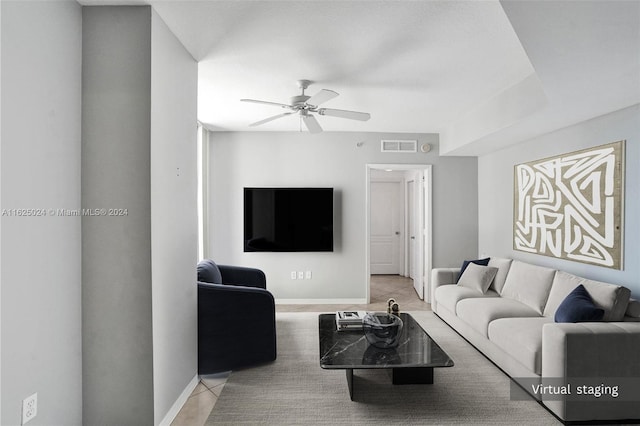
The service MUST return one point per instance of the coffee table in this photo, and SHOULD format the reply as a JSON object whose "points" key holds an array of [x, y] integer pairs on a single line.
{"points": [[411, 362]]}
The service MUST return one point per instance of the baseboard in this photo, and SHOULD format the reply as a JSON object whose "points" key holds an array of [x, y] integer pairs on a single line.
{"points": [[321, 301], [182, 399]]}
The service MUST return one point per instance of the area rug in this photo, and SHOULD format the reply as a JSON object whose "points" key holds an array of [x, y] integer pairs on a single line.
{"points": [[294, 390]]}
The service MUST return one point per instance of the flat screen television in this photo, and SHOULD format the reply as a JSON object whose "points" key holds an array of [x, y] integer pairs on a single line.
{"points": [[288, 219]]}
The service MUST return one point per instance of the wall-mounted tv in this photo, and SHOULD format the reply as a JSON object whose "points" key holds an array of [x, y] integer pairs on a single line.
{"points": [[288, 219]]}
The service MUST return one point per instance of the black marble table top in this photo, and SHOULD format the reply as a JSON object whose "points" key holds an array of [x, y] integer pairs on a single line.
{"points": [[350, 349]]}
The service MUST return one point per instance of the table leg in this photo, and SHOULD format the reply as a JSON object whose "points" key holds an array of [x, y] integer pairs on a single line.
{"points": [[350, 381], [412, 376]]}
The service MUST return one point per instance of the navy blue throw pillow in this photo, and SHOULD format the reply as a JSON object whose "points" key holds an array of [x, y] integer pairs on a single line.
{"points": [[481, 262], [578, 306], [208, 272]]}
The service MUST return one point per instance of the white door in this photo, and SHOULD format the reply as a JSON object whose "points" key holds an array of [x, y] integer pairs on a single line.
{"points": [[411, 230], [386, 222], [418, 240]]}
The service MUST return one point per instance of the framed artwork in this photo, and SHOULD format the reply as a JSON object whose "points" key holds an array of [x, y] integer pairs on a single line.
{"points": [[571, 206]]}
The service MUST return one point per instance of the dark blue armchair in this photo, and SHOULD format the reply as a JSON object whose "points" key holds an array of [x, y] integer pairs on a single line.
{"points": [[236, 318]]}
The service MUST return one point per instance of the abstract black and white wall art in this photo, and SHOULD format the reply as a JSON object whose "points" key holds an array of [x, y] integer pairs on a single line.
{"points": [[571, 206]]}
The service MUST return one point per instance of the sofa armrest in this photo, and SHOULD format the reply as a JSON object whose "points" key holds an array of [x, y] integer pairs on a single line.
{"points": [[443, 276], [633, 310], [603, 350], [591, 349], [236, 327], [242, 276], [440, 277]]}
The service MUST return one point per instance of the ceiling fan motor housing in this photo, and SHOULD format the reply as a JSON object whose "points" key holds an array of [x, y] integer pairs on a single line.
{"points": [[299, 100]]}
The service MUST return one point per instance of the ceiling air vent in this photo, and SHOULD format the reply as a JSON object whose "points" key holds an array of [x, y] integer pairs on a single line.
{"points": [[396, 145]]}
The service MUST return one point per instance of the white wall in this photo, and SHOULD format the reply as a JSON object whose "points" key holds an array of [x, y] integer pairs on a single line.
{"points": [[41, 313], [495, 182], [0, 207], [331, 159], [138, 153], [173, 216], [116, 251]]}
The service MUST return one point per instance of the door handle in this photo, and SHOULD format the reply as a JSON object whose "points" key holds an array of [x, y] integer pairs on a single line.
{"points": [[397, 233]]}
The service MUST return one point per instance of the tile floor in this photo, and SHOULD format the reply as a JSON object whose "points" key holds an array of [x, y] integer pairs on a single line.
{"points": [[383, 287]]}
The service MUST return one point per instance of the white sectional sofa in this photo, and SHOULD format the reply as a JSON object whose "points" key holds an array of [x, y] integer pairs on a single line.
{"points": [[512, 324]]}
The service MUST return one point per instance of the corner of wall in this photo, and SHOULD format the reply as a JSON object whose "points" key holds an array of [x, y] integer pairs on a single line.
{"points": [[503, 110]]}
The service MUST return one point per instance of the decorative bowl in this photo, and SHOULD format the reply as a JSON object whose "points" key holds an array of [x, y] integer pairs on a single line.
{"points": [[381, 357], [381, 329]]}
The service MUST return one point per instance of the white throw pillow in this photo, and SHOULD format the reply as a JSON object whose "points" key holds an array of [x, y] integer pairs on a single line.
{"points": [[478, 277], [503, 266]]}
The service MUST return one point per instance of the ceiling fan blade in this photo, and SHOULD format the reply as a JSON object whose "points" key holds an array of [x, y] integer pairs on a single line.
{"points": [[311, 123], [353, 115], [321, 97], [266, 103], [266, 120]]}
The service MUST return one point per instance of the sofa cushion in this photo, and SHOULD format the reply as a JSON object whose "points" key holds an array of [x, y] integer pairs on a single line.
{"points": [[610, 297], [578, 306], [465, 264], [529, 284], [477, 277], [600, 292], [479, 312], [449, 295], [503, 266], [521, 338]]}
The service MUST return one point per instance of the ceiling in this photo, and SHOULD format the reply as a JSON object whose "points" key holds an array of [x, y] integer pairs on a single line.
{"points": [[482, 74]]}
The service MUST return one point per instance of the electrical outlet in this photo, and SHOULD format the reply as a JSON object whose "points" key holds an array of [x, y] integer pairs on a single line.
{"points": [[294, 275], [307, 275], [29, 408]]}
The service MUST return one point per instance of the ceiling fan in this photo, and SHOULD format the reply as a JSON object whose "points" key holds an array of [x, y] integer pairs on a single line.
{"points": [[305, 106]]}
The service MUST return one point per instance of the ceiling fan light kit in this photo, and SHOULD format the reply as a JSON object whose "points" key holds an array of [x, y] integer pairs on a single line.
{"points": [[306, 106]]}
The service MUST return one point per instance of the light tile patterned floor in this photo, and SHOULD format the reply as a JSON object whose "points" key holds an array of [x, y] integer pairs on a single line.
{"points": [[383, 287], [198, 407]]}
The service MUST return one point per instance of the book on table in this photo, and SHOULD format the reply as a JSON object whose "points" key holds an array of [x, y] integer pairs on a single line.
{"points": [[349, 320]]}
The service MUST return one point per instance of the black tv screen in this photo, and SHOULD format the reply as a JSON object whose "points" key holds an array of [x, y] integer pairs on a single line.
{"points": [[288, 219]]}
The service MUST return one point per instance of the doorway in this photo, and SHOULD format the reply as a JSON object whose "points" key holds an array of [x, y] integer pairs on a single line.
{"points": [[387, 222], [398, 222]]}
